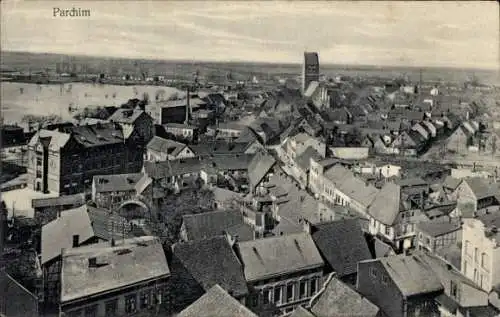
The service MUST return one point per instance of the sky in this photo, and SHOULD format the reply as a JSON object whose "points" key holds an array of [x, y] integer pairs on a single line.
{"points": [[450, 34]]}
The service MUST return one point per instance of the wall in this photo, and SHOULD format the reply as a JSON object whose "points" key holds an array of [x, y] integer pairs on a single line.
{"points": [[473, 236], [464, 196], [350, 152], [257, 300], [375, 284]]}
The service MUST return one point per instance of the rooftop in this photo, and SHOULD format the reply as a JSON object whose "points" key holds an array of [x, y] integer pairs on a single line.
{"points": [[411, 275], [76, 199], [342, 244], [116, 182], [338, 299], [198, 257], [128, 116], [438, 227], [350, 185], [132, 261], [387, 204], [210, 224], [167, 146], [216, 302], [268, 257]]}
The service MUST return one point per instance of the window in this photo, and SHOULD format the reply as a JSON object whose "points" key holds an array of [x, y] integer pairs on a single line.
{"points": [[372, 271], [75, 313], [313, 286], [131, 303], [387, 230], [254, 300], [302, 289], [465, 268], [454, 289], [385, 279], [467, 247], [111, 307], [266, 296], [91, 311], [277, 295], [476, 276], [145, 299], [476, 255], [484, 260], [289, 293]]}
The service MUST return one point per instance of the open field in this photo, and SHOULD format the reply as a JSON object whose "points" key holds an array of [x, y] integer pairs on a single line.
{"points": [[240, 70], [56, 99]]}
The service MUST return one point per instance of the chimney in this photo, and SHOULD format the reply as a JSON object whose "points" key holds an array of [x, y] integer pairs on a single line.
{"points": [[3, 226], [113, 243], [188, 107], [75, 240]]}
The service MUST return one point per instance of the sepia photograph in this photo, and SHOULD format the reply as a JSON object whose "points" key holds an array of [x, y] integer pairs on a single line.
{"points": [[249, 158]]}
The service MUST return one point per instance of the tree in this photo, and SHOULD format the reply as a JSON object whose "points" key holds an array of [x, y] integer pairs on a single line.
{"points": [[187, 202]]}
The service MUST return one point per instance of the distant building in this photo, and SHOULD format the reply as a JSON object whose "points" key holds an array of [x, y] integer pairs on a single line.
{"points": [[135, 119], [433, 235], [160, 149], [181, 131], [310, 69], [65, 161]]}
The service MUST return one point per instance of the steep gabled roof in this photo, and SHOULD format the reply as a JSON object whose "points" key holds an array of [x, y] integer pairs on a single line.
{"points": [[216, 302], [342, 244], [210, 224], [259, 166], [213, 262], [338, 299], [387, 204]]}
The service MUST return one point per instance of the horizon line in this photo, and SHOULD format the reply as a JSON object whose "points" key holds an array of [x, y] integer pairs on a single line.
{"points": [[497, 70]]}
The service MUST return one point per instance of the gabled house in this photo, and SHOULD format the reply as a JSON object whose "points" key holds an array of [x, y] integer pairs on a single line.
{"points": [[222, 147], [17, 301], [297, 144], [259, 170], [216, 302], [282, 272], [110, 191], [135, 119], [72, 229], [473, 194], [339, 186], [339, 299], [342, 244], [160, 149], [197, 266], [408, 143], [459, 294], [211, 224], [460, 140], [391, 220], [117, 279], [401, 286], [433, 235]]}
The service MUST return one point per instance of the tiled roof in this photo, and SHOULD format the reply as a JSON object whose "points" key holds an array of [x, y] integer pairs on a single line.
{"points": [[259, 166], [76, 199], [98, 135], [268, 257], [301, 312], [57, 139], [482, 188], [18, 301], [451, 183], [58, 234], [167, 146], [129, 262], [387, 204], [128, 116], [211, 262], [107, 225], [342, 244], [351, 186], [216, 302], [210, 224], [116, 182], [219, 147], [411, 275], [382, 249], [438, 227], [338, 299], [303, 160]]}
